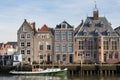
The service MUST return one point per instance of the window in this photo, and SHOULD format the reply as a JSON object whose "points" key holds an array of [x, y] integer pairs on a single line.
{"points": [[28, 44], [57, 36], [90, 45], [58, 57], [63, 35], [41, 56], [57, 47], [63, 25], [70, 35], [43, 36], [70, 47], [25, 28], [29, 59], [28, 36], [110, 56], [22, 51], [22, 36], [80, 55], [81, 45], [64, 49], [116, 55], [28, 51], [22, 44], [114, 45], [106, 45], [64, 57], [48, 47], [87, 55], [95, 55], [41, 46]]}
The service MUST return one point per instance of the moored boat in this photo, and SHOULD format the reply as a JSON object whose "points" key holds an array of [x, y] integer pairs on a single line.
{"points": [[49, 71]]}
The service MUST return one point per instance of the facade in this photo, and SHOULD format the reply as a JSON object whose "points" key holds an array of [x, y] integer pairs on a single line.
{"points": [[44, 44], [64, 43], [96, 41], [26, 37]]}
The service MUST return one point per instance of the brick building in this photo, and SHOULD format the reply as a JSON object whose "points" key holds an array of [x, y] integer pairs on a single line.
{"points": [[96, 41], [64, 43]]}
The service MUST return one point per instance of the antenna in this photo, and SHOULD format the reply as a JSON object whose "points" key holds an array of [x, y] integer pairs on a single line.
{"points": [[95, 4]]}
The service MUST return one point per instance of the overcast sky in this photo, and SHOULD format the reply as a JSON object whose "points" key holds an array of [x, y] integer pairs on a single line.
{"points": [[51, 13]]}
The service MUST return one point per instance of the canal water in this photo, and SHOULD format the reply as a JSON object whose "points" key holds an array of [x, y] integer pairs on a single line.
{"points": [[25, 77]]}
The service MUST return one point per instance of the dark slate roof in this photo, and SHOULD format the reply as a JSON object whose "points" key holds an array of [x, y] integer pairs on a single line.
{"points": [[52, 30], [59, 26], [100, 27], [117, 30]]}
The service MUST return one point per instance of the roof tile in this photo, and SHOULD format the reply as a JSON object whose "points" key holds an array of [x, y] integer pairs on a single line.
{"points": [[44, 28]]}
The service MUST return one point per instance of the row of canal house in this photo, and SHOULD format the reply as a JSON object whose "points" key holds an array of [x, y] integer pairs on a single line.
{"points": [[94, 40]]}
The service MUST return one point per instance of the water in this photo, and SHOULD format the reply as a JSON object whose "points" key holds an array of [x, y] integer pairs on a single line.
{"points": [[23, 77]]}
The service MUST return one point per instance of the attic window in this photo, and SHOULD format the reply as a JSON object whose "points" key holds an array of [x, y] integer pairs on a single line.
{"points": [[84, 32], [63, 25], [99, 24], [96, 32], [25, 28], [89, 23], [107, 33]]}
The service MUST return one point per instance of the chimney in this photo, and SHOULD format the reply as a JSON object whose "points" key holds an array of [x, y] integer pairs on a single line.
{"points": [[96, 15], [95, 12], [33, 24]]}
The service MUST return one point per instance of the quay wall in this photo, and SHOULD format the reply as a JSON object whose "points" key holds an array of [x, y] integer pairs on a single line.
{"points": [[74, 69], [91, 69]]}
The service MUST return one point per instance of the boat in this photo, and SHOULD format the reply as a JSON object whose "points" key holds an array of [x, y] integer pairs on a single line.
{"points": [[48, 71], [51, 71]]}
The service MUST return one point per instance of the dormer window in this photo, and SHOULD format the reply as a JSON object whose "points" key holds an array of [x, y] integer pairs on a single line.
{"points": [[63, 25], [101, 23], [89, 24], [96, 32], [107, 33], [84, 32]]}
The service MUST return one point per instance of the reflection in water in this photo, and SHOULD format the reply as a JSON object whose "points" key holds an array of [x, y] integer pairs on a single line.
{"points": [[26, 77], [41, 78]]}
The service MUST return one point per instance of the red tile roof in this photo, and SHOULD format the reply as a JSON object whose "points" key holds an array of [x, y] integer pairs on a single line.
{"points": [[44, 28]]}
